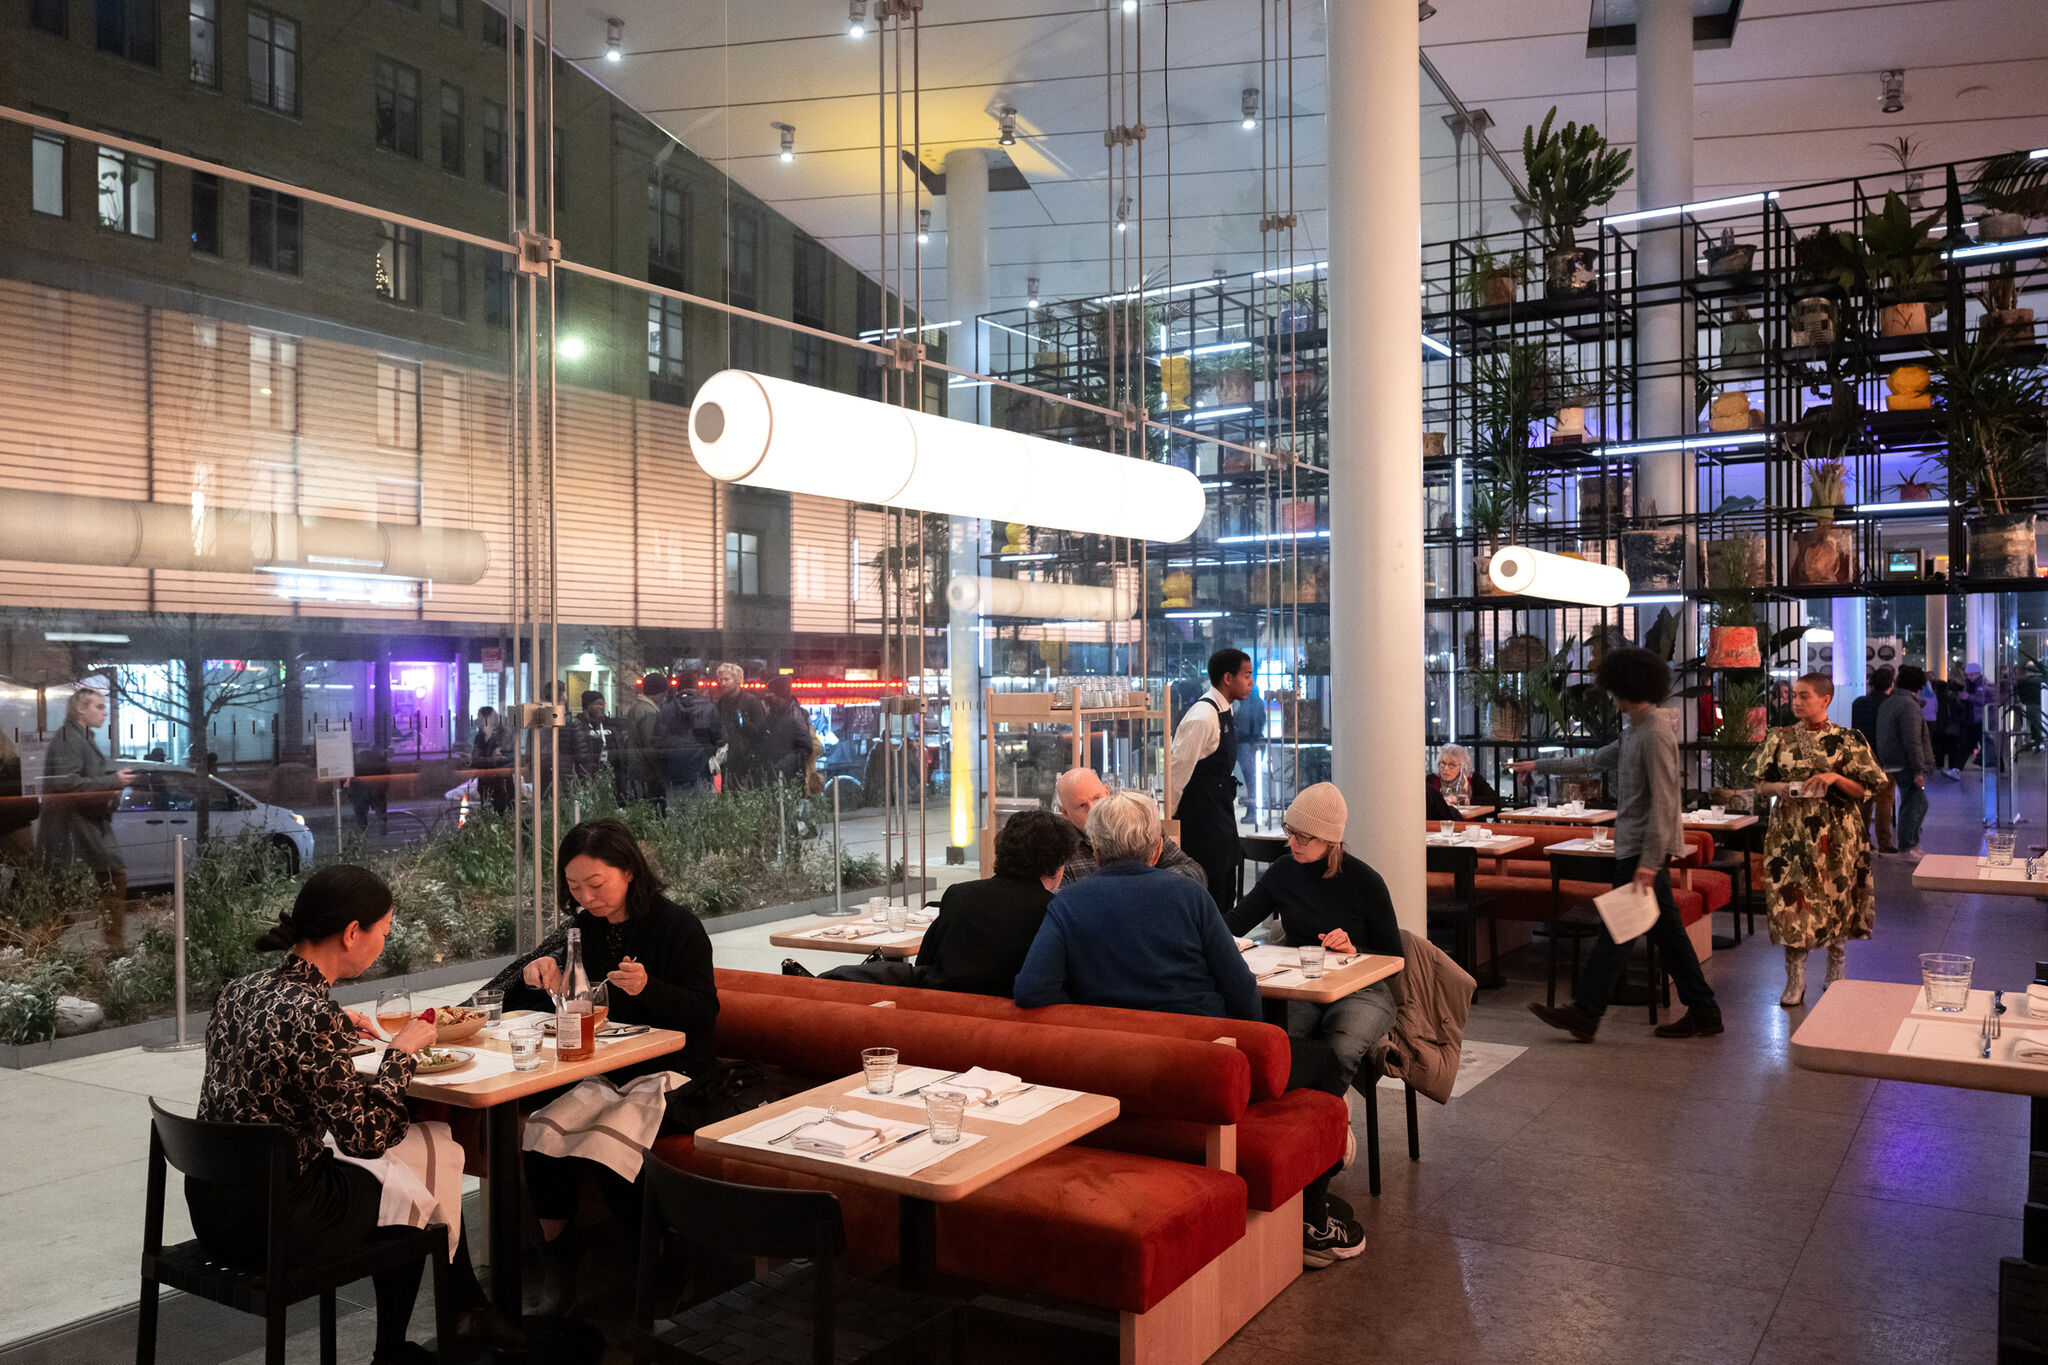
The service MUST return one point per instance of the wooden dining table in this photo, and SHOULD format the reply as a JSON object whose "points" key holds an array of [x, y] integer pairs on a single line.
{"points": [[1557, 815], [851, 934], [1969, 873], [1343, 974]]}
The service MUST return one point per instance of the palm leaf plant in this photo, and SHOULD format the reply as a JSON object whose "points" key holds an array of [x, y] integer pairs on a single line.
{"points": [[2014, 185], [1992, 404]]}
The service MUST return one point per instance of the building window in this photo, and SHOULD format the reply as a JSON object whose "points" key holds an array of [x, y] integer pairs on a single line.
{"points": [[808, 286], [205, 32], [398, 107], [742, 563], [668, 228], [494, 142], [451, 128], [205, 213], [497, 291], [665, 338], [127, 28], [743, 264], [807, 358], [128, 193], [273, 61], [493, 24], [47, 172], [398, 404], [51, 16], [451, 13], [273, 381], [274, 230], [398, 263], [452, 279]]}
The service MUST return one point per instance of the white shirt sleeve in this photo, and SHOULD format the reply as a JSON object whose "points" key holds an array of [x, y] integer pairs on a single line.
{"points": [[1194, 741]]}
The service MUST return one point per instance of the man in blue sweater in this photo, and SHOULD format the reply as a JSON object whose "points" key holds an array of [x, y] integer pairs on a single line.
{"points": [[1135, 937]]}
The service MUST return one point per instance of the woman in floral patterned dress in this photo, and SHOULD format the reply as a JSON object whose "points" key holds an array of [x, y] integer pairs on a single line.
{"points": [[1817, 884]]}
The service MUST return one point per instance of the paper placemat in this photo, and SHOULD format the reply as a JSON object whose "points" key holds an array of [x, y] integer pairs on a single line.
{"points": [[501, 1032], [1016, 1109], [481, 1067], [2017, 1012], [2015, 871], [906, 1159], [869, 937]]}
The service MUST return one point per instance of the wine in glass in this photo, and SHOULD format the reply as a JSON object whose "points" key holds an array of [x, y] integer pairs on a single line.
{"points": [[394, 1011]]}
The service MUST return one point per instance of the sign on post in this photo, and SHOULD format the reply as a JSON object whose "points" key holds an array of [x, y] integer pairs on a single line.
{"points": [[334, 758]]}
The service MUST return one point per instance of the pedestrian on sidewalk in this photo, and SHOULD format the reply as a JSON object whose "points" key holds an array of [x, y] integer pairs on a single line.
{"points": [[1906, 755]]}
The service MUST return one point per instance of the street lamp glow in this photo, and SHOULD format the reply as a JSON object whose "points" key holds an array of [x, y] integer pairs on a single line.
{"points": [[571, 348]]}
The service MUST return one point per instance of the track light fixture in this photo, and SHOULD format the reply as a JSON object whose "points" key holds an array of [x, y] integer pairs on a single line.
{"points": [[614, 35], [856, 18], [1006, 120], [788, 140], [1425, 11], [1123, 213], [1031, 291], [1894, 85], [924, 227], [1250, 105]]}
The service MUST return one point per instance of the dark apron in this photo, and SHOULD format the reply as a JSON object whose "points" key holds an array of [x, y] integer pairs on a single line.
{"points": [[1208, 811]]}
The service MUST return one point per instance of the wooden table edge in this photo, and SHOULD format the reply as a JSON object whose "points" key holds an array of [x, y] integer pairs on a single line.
{"points": [[1370, 973], [549, 1076], [1876, 1062]]}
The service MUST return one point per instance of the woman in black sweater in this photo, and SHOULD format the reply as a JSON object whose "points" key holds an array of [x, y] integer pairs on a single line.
{"points": [[655, 961], [985, 928], [1324, 895]]}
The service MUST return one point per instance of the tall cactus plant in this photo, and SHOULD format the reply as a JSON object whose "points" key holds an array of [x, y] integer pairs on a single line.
{"points": [[1568, 172]]}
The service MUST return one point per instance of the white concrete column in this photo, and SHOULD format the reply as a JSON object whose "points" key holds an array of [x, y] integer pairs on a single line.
{"points": [[1937, 637], [1849, 617], [1377, 710], [966, 299], [1664, 335]]}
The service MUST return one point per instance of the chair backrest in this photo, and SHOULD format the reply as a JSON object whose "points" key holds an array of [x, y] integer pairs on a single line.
{"points": [[717, 1217], [1580, 867], [1461, 863], [219, 1153]]}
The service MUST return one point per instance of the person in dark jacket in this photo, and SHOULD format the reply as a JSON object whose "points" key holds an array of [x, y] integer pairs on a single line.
{"points": [[688, 733], [743, 718], [783, 752], [80, 791], [1455, 783], [1905, 755], [1863, 714], [491, 751], [654, 959], [645, 779], [17, 813], [985, 928]]}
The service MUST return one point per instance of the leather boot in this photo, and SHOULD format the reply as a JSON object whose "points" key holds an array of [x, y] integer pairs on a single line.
{"points": [[559, 1261], [1795, 978], [1837, 965]]}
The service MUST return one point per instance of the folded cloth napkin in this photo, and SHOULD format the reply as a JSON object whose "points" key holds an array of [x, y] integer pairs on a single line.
{"points": [[980, 1083], [2031, 1049], [601, 1122], [840, 1137], [422, 1180]]}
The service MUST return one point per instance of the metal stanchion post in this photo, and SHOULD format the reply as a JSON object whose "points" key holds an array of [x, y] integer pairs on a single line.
{"points": [[838, 867], [337, 820], [183, 1044], [781, 822]]}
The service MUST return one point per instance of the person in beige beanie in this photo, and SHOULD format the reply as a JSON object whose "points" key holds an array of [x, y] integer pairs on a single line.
{"points": [[1324, 895]]}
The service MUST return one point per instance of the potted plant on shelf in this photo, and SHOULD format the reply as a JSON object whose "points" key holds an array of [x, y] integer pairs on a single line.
{"points": [[1902, 150], [1566, 173], [1490, 280], [1510, 392], [1913, 488], [1726, 256], [1498, 694], [1992, 403], [1900, 259], [1653, 555], [1825, 434], [2004, 323], [1742, 339], [1824, 489], [2013, 188]]}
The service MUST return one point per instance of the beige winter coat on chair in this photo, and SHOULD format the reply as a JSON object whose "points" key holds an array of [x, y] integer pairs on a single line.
{"points": [[1432, 996]]}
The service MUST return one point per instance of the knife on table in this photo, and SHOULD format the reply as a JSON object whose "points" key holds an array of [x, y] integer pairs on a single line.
{"points": [[895, 1142]]}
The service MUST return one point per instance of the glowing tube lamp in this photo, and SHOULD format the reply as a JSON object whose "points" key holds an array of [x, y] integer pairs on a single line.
{"points": [[1525, 572], [765, 432], [1036, 598]]}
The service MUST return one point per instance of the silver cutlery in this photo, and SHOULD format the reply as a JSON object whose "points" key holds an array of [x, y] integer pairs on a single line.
{"points": [[830, 1114], [897, 1142], [1993, 1027], [993, 1100], [928, 1084], [1998, 1002], [1267, 976]]}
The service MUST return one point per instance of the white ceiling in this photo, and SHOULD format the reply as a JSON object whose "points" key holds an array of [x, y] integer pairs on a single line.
{"points": [[1794, 99]]}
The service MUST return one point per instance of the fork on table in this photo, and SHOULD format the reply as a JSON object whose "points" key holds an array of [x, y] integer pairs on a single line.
{"points": [[830, 1113], [1993, 1027]]}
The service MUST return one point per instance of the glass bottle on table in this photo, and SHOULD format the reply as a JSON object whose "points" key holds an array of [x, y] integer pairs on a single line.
{"points": [[575, 1017]]}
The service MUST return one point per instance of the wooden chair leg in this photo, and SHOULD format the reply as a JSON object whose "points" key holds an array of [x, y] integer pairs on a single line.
{"points": [[1414, 1136], [145, 1325], [327, 1353]]}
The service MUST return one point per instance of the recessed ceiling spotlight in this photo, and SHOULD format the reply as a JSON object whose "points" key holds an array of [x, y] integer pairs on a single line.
{"points": [[1894, 86], [788, 140], [1130, 6], [924, 227], [856, 18], [614, 35], [1006, 120], [1123, 213], [1250, 106], [1426, 11], [1031, 291]]}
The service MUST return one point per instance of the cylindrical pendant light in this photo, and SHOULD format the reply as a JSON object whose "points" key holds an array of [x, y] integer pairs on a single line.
{"points": [[1525, 572], [1047, 601], [772, 433]]}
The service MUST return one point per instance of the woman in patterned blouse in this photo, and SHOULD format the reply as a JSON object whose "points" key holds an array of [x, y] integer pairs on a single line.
{"points": [[278, 1051]]}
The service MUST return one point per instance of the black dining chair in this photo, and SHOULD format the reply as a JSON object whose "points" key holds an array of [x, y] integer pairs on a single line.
{"points": [[787, 1316], [1366, 1083], [1584, 924], [1463, 911], [258, 1155]]}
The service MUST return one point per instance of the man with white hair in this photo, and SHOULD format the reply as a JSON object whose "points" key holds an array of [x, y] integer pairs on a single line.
{"points": [[1134, 936], [1079, 789]]}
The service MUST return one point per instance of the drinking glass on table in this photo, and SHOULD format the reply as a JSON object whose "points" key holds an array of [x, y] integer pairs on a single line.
{"points": [[1312, 960], [1542, 800], [943, 1110], [1717, 812], [394, 1012], [1998, 846], [490, 1004], [1946, 978], [1447, 827], [525, 1045], [880, 1065], [899, 917]]}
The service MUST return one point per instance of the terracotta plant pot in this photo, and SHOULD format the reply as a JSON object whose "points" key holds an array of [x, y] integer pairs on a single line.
{"points": [[1733, 647], [1737, 562], [1482, 580], [2007, 327], [1432, 445], [1823, 556], [1498, 290], [1300, 384], [1570, 272], [1233, 388], [2002, 546], [1571, 427], [1903, 319], [1507, 718]]}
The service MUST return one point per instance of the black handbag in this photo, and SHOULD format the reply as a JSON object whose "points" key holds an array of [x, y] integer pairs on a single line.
{"points": [[728, 1088]]}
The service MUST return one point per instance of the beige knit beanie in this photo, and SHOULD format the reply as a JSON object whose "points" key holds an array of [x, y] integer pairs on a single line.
{"points": [[1319, 813]]}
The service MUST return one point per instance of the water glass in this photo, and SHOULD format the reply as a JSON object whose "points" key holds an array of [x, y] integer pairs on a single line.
{"points": [[1946, 977], [1718, 812], [1447, 827], [878, 909], [898, 917], [943, 1110], [489, 1003], [1542, 800], [1311, 960], [1998, 846], [525, 1044], [880, 1065]]}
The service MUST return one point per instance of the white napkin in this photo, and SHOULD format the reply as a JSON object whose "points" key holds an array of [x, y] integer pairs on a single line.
{"points": [[601, 1122], [2031, 1048], [843, 1137], [422, 1180], [980, 1083]]}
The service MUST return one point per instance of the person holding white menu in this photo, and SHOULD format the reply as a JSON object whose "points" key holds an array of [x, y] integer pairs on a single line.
{"points": [[1647, 835]]}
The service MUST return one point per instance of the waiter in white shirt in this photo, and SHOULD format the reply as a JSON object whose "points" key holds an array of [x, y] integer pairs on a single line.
{"points": [[1204, 788]]}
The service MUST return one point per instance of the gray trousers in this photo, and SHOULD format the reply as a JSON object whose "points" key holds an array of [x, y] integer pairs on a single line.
{"points": [[1349, 1026]]}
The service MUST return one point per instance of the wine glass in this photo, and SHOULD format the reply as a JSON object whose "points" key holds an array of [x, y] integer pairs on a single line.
{"points": [[394, 1011]]}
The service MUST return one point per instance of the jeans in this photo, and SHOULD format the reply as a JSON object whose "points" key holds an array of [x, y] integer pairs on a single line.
{"points": [[1349, 1026], [1608, 959], [1912, 810]]}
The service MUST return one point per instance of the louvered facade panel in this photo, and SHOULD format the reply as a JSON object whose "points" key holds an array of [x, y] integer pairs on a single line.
{"points": [[821, 570], [677, 526]]}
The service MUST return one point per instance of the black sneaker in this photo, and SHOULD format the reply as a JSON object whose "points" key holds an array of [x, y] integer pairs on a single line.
{"points": [[1338, 1239], [1580, 1025], [1700, 1023], [1338, 1208]]}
